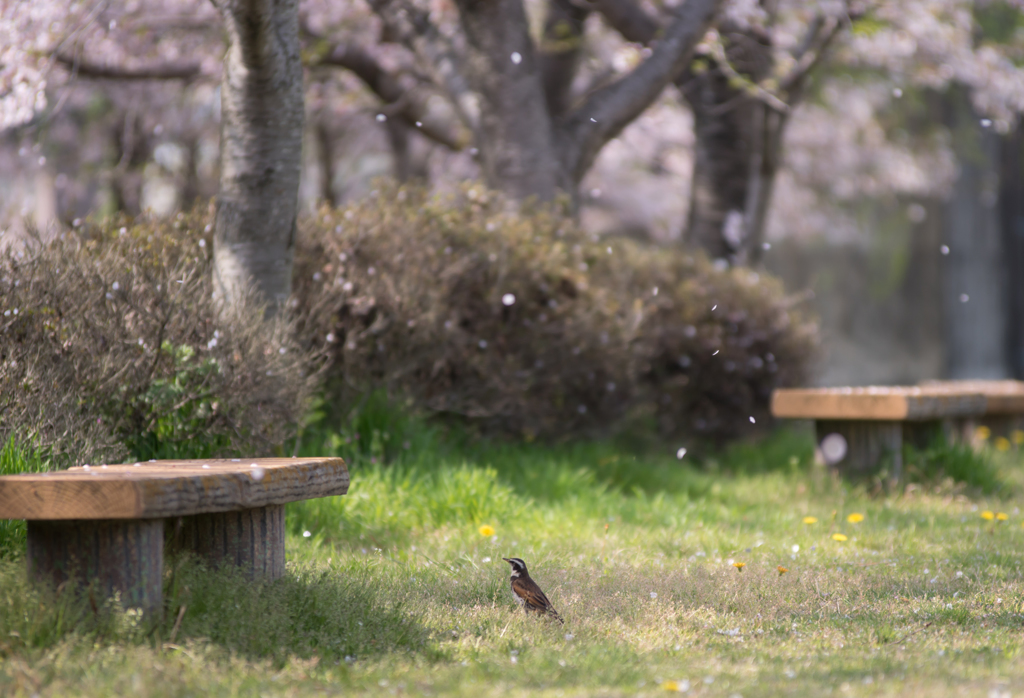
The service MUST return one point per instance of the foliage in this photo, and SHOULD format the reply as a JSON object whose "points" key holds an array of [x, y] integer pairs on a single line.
{"points": [[957, 462], [521, 324], [111, 344]]}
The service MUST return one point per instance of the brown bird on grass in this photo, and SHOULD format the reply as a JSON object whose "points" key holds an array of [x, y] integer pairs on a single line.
{"points": [[526, 592]]}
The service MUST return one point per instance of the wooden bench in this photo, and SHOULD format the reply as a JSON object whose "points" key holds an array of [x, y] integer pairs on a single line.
{"points": [[108, 523], [1004, 405], [875, 422]]}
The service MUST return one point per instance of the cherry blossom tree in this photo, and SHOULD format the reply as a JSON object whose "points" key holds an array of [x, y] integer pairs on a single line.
{"points": [[261, 103], [260, 148]]}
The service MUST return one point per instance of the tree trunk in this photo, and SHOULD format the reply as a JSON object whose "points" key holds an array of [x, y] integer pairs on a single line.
{"points": [[261, 150], [560, 53], [736, 158], [974, 289], [1011, 210], [532, 141], [514, 133], [190, 186]]}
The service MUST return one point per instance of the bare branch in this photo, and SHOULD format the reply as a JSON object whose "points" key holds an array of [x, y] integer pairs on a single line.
{"points": [[407, 104], [810, 37], [750, 87], [629, 19], [604, 114], [815, 46], [157, 71], [413, 28]]}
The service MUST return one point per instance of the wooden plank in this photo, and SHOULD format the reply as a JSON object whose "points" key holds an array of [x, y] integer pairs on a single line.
{"points": [[1001, 396], [163, 489], [118, 556], [252, 539], [875, 403]]}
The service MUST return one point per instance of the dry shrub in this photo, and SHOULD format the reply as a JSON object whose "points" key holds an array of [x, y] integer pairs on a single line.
{"points": [[524, 325], [707, 345], [110, 345]]}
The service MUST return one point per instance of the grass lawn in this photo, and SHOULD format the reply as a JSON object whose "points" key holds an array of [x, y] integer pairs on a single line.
{"points": [[394, 589]]}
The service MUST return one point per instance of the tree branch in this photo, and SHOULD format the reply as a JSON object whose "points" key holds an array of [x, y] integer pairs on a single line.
{"points": [[629, 19], [750, 87], [413, 28], [604, 114], [409, 105], [160, 71], [819, 36]]}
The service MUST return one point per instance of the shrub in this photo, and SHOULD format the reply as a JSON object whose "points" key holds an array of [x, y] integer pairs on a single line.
{"points": [[707, 345], [111, 345], [522, 324]]}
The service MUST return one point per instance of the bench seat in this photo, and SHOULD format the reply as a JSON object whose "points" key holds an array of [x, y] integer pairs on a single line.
{"points": [[109, 523], [876, 421]]}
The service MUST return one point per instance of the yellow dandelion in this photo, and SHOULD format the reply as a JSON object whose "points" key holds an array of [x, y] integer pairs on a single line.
{"points": [[782, 570], [1002, 516], [855, 518], [671, 686], [988, 515], [1017, 436], [839, 537], [739, 565], [810, 520], [1002, 444], [486, 531], [982, 433]]}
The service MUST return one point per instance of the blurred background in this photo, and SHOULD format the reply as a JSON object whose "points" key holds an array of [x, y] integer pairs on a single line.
{"points": [[896, 212]]}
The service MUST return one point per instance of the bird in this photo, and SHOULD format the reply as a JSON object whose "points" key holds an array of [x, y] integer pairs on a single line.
{"points": [[526, 592]]}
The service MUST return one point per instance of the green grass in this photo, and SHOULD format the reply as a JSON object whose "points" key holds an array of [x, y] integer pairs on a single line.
{"points": [[394, 591], [18, 457]]}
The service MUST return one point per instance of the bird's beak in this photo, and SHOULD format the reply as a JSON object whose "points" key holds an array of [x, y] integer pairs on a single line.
{"points": [[506, 559]]}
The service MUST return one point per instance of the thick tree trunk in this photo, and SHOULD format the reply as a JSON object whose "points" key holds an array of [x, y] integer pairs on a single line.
{"points": [[974, 289], [261, 150], [736, 159], [514, 134], [1011, 210], [532, 140]]}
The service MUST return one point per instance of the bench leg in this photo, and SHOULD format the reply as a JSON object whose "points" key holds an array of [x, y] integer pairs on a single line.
{"points": [[870, 445], [252, 539], [925, 435], [121, 556]]}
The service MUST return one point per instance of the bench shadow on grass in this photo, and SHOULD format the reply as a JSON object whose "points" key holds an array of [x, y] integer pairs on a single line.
{"points": [[310, 612]]}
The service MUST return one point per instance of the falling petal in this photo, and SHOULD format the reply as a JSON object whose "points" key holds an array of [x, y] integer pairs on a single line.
{"points": [[833, 448]]}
